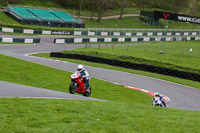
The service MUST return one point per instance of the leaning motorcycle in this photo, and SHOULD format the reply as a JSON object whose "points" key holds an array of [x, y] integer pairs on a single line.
{"points": [[77, 85], [157, 102]]}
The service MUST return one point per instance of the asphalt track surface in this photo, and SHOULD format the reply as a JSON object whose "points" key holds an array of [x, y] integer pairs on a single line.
{"points": [[15, 90], [181, 97]]}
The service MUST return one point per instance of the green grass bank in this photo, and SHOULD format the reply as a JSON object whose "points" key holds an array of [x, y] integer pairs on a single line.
{"points": [[127, 22], [176, 55], [50, 116]]}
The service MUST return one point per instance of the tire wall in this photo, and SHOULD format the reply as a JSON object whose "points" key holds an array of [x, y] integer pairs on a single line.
{"points": [[130, 65]]}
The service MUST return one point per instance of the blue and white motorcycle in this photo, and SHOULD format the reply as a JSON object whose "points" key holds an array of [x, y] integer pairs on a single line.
{"points": [[158, 102]]}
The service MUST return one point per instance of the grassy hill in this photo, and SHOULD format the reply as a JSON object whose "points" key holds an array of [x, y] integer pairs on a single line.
{"points": [[127, 22], [176, 54]]}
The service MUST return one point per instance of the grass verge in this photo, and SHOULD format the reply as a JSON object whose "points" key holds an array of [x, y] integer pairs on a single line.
{"points": [[50, 116], [10, 25]]}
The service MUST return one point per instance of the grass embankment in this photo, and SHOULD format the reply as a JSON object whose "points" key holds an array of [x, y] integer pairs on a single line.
{"points": [[177, 55], [4, 19], [126, 111], [134, 23], [49, 116], [127, 22]]}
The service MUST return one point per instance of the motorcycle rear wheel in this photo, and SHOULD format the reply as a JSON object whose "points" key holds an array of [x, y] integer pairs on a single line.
{"points": [[72, 88]]}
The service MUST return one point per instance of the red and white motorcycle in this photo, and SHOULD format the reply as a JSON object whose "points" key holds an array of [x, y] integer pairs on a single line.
{"points": [[77, 85]]}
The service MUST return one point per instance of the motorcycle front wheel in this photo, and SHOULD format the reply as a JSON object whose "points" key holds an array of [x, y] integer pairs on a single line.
{"points": [[72, 87]]}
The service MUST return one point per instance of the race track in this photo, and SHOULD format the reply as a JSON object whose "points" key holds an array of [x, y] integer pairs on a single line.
{"points": [[15, 90], [181, 97]]}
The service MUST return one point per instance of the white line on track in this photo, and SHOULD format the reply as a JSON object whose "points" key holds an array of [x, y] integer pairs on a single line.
{"points": [[44, 58]]}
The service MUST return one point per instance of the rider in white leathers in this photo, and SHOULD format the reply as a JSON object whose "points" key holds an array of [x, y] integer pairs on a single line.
{"points": [[84, 74], [157, 95]]}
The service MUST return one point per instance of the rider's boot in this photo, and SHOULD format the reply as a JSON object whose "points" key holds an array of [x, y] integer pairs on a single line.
{"points": [[87, 86], [164, 103]]}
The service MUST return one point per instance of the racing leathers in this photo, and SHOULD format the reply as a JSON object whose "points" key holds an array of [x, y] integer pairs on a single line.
{"points": [[85, 75], [161, 99]]}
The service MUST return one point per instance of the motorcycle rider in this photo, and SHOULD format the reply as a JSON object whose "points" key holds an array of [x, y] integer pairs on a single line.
{"points": [[160, 97], [84, 74]]}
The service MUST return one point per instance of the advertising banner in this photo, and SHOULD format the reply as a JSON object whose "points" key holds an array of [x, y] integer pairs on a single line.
{"points": [[177, 17], [62, 32], [170, 16]]}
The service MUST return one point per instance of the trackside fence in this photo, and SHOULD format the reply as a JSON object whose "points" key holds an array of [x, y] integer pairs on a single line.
{"points": [[124, 39], [19, 40]]}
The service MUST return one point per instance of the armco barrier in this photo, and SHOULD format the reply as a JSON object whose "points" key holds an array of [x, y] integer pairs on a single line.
{"points": [[124, 39], [117, 33], [19, 40], [26, 31], [104, 33], [130, 65]]}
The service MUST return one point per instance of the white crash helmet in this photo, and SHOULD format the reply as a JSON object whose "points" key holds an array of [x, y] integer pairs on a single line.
{"points": [[80, 68], [157, 94]]}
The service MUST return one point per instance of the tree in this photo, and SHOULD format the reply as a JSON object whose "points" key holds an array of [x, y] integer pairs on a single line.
{"points": [[179, 4], [194, 6], [81, 4], [122, 9], [94, 5], [14, 1], [103, 6]]}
